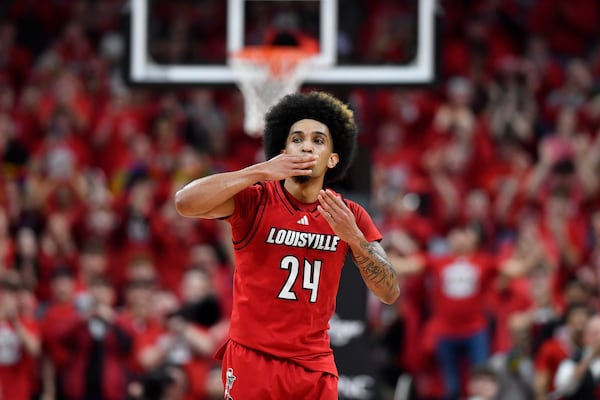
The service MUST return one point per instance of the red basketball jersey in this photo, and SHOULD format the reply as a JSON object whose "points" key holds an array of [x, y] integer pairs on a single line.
{"points": [[288, 266]]}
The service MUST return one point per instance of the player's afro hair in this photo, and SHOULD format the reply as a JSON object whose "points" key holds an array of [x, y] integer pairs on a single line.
{"points": [[322, 107]]}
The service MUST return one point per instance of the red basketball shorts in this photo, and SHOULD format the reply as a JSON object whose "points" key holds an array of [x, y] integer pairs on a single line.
{"points": [[251, 375]]}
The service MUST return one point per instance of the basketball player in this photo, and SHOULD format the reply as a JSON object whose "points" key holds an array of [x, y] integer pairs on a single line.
{"points": [[291, 236]]}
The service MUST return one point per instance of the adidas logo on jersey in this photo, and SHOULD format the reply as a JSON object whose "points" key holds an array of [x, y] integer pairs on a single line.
{"points": [[303, 220]]}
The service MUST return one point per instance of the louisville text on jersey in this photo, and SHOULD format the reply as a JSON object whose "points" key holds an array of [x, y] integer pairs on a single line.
{"points": [[317, 241]]}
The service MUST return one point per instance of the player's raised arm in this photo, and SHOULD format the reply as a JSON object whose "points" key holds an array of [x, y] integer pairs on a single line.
{"points": [[212, 196], [376, 270], [370, 258]]}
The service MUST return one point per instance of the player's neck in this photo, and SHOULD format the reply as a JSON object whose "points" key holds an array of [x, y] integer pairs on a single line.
{"points": [[306, 192]]}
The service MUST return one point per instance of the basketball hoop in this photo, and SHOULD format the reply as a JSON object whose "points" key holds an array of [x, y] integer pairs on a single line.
{"points": [[264, 75]]}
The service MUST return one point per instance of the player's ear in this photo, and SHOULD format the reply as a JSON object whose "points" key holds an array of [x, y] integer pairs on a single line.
{"points": [[334, 158]]}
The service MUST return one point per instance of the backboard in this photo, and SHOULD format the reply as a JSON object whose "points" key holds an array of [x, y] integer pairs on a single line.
{"points": [[380, 42]]}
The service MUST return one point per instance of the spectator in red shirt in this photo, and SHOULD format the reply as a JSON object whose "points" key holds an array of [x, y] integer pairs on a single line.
{"points": [[210, 259], [395, 164], [562, 233], [588, 165], [511, 109], [476, 210], [504, 180], [505, 298], [544, 71], [118, 124], [173, 237], [99, 349], [167, 145], [133, 232], [65, 109], [7, 244], [19, 342], [137, 314], [58, 315], [402, 326], [590, 270], [562, 186], [96, 221], [57, 246], [155, 375], [191, 335], [461, 280], [92, 261], [26, 258]]}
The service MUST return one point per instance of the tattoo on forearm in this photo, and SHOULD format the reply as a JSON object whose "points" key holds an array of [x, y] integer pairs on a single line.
{"points": [[375, 267]]}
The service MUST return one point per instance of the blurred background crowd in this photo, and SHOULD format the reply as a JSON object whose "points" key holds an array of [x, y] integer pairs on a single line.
{"points": [[484, 185]]}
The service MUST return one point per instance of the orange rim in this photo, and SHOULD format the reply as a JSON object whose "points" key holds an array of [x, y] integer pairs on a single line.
{"points": [[279, 59]]}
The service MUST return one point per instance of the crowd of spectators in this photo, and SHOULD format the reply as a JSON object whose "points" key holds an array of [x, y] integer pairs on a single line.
{"points": [[485, 186], [486, 189]]}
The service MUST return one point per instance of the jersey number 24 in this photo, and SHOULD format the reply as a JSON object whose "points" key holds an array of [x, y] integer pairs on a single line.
{"points": [[310, 280]]}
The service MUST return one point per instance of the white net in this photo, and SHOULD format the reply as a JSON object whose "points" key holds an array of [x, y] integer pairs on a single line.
{"points": [[265, 75]]}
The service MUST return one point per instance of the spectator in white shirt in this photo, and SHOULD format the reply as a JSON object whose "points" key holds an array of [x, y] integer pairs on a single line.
{"points": [[578, 377]]}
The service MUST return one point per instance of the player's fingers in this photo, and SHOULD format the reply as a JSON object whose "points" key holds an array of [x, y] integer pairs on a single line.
{"points": [[325, 201], [331, 212], [302, 158], [325, 213], [332, 200], [301, 171], [306, 164]]}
